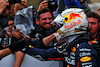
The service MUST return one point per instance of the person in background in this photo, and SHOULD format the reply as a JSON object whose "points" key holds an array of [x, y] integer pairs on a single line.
{"points": [[3, 8], [43, 24], [94, 19], [15, 45], [51, 4], [12, 11], [6, 40], [98, 12], [40, 39], [71, 3], [18, 54]]}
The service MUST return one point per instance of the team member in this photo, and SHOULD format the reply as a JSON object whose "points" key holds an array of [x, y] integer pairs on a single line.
{"points": [[93, 19]]}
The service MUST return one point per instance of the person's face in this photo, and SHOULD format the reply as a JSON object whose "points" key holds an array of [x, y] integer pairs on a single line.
{"points": [[11, 12], [45, 21], [6, 12], [93, 23]]}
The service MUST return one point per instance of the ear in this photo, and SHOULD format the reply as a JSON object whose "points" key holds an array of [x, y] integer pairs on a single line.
{"points": [[37, 21]]}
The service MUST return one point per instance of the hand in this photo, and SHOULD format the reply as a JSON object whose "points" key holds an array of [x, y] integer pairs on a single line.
{"points": [[16, 33], [98, 11], [56, 36], [42, 5], [61, 42], [19, 6], [3, 4]]}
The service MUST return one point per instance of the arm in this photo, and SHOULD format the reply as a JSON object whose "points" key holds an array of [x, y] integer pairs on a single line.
{"points": [[49, 39], [5, 52]]}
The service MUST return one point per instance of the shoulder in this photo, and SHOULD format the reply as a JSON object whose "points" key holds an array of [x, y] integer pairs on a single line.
{"points": [[82, 44]]}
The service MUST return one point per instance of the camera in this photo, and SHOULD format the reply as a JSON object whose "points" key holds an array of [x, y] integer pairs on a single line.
{"points": [[52, 5], [14, 1]]}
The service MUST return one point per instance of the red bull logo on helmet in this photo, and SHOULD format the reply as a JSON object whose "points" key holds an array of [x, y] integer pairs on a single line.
{"points": [[72, 16], [72, 24]]}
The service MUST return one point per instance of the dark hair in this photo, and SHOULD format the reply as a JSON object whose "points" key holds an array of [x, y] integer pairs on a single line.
{"points": [[94, 15], [44, 10], [4, 22]]}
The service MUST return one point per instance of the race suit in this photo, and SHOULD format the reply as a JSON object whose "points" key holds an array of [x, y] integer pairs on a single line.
{"points": [[81, 53]]}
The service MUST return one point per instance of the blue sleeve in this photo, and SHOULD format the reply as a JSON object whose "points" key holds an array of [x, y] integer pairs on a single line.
{"points": [[44, 54], [77, 3], [56, 1], [39, 44], [85, 55]]}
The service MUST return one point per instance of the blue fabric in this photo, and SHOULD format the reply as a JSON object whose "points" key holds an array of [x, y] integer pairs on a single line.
{"points": [[83, 50], [73, 3], [37, 35], [45, 54]]}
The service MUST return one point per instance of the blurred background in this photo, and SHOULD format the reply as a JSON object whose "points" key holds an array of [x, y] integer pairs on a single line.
{"points": [[94, 4], [35, 3]]}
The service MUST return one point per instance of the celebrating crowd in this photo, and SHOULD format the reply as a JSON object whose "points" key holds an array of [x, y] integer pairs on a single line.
{"points": [[48, 31]]}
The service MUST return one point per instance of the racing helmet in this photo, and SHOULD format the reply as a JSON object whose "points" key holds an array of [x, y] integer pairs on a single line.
{"points": [[73, 21]]}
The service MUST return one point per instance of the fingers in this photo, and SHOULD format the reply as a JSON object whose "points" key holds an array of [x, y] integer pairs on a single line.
{"points": [[16, 33], [17, 7], [42, 5], [61, 42], [3, 5], [55, 35], [26, 37]]}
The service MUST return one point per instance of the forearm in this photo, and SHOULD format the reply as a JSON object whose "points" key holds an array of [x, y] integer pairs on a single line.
{"points": [[49, 39], [5, 52]]}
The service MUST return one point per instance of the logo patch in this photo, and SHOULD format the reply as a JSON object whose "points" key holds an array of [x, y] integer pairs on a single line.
{"points": [[73, 49], [72, 24], [68, 66], [85, 59], [72, 16]]}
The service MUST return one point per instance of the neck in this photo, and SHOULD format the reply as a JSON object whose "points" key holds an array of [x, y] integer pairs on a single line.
{"points": [[93, 36]]}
